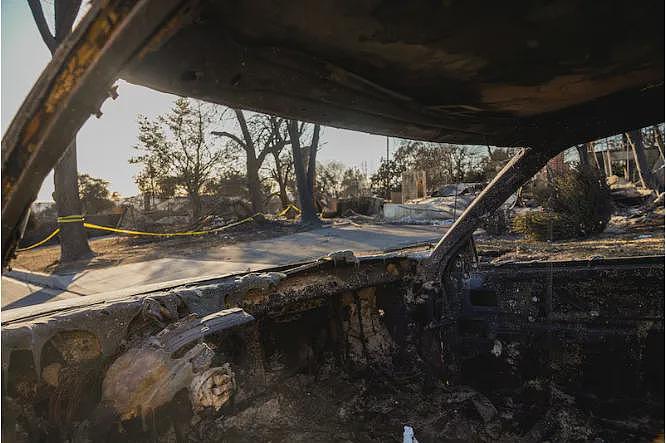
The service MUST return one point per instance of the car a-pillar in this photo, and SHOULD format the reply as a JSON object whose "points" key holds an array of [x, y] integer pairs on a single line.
{"points": [[454, 254]]}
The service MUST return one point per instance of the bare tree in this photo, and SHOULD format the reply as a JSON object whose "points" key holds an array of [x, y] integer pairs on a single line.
{"points": [[261, 135], [282, 172], [73, 238], [305, 178]]}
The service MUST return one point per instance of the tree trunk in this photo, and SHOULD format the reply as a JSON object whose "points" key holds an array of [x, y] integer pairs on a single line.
{"points": [[252, 164], [659, 140], [146, 202], [312, 170], [582, 155], [625, 146], [608, 165], [73, 237], [305, 194], [284, 198], [254, 183], [635, 139], [312, 158], [591, 152], [195, 201], [281, 180]]}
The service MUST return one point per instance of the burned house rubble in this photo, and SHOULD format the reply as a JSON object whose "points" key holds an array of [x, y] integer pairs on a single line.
{"points": [[348, 348]]}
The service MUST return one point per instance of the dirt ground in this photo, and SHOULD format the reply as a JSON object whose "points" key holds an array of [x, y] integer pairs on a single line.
{"points": [[116, 250], [627, 235], [500, 250], [630, 234]]}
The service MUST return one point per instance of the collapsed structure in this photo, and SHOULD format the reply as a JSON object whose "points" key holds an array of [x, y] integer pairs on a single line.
{"points": [[348, 348]]}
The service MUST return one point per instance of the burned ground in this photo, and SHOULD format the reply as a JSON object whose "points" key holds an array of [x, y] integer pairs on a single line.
{"points": [[628, 234], [116, 250]]}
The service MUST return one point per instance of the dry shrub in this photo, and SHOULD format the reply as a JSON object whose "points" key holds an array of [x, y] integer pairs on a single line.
{"points": [[544, 225], [497, 222], [578, 204]]}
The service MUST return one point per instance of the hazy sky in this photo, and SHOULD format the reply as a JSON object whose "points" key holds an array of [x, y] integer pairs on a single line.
{"points": [[105, 144]]}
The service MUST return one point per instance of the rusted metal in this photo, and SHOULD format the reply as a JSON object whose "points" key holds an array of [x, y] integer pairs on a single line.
{"points": [[71, 88]]}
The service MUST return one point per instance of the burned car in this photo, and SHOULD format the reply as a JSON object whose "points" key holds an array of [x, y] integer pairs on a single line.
{"points": [[349, 348]]}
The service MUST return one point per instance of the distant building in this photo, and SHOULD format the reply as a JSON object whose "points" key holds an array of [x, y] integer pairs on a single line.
{"points": [[413, 185]]}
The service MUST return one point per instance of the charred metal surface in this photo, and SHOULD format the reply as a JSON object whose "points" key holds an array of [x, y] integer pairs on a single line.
{"points": [[71, 88], [133, 356], [562, 301], [543, 350], [594, 329], [266, 293], [152, 371], [522, 74]]}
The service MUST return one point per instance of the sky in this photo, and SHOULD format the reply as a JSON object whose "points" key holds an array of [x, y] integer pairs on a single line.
{"points": [[105, 145]]}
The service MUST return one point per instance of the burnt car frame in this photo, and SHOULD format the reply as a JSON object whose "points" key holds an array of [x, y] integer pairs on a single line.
{"points": [[540, 76]]}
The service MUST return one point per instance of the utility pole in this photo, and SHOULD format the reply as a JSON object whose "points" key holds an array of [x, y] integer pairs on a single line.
{"points": [[388, 177]]}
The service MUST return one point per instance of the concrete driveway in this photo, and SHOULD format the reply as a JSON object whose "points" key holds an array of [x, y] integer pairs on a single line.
{"points": [[23, 288]]}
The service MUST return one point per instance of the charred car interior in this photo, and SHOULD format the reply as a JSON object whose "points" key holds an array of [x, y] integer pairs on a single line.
{"points": [[353, 348]]}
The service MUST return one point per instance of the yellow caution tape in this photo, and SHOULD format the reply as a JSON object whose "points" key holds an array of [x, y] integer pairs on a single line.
{"points": [[65, 219], [39, 243], [70, 219], [171, 234], [284, 211], [79, 218], [130, 232]]}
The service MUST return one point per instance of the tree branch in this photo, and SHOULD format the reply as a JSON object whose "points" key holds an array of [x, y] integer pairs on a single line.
{"points": [[312, 158], [249, 144], [42, 27], [231, 136], [65, 14]]}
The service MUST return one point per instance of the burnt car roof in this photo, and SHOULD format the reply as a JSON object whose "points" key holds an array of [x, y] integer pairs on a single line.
{"points": [[473, 72], [523, 73]]}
